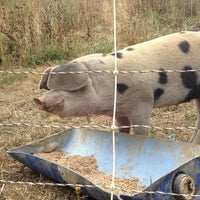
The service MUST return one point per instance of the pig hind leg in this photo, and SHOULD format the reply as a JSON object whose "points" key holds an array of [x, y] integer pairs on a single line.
{"points": [[195, 138]]}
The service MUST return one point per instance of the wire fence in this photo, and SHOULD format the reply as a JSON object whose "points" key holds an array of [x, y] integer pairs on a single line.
{"points": [[116, 190], [93, 126], [103, 71]]}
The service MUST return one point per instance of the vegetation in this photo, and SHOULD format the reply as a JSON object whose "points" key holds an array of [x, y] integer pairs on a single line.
{"points": [[9, 79], [42, 31]]}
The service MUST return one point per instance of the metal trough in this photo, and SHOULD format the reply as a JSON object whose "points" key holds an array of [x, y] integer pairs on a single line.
{"points": [[161, 165]]}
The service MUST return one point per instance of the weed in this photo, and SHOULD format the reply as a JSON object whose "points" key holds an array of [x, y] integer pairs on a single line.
{"points": [[48, 53], [35, 59], [103, 45], [191, 115]]}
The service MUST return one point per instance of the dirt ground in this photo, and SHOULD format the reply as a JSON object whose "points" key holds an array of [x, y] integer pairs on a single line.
{"points": [[16, 105]]}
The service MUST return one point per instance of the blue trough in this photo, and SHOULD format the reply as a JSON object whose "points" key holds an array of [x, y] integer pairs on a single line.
{"points": [[160, 165]]}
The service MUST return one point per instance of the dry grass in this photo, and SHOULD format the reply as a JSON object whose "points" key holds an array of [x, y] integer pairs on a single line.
{"points": [[41, 31], [17, 105]]}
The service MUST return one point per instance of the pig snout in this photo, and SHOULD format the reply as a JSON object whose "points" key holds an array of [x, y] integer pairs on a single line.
{"points": [[49, 104]]}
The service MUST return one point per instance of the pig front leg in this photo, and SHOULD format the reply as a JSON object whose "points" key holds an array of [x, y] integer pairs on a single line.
{"points": [[195, 138], [141, 115], [123, 121]]}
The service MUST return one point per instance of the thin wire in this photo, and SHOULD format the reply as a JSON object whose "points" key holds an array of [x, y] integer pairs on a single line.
{"points": [[103, 71], [115, 100], [4, 182], [93, 126]]}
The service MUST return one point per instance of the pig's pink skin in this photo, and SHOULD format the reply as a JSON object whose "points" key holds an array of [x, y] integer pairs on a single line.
{"points": [[49, 106]]}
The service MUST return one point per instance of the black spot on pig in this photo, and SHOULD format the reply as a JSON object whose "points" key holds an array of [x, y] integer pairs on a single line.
{"points": [[157, 93], [130, 49], [189, 78], [163, 76], [104, 54], [119, 55], [184, 46], [193, 94], [121, 88]]}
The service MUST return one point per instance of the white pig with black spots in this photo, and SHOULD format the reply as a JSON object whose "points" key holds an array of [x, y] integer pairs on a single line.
{"points": [[82, 94]]}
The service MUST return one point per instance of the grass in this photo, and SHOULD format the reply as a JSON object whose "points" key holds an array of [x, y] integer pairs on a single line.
{"points": [[9, 79], [51, 53], [38, 32]]}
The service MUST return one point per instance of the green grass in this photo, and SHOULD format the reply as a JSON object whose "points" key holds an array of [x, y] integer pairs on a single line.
{"points": [[103, 45], [9, 79], [190, 115], [49, 53]]}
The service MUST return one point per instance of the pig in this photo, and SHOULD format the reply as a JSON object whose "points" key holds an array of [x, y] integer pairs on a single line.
{"points": [[81, 91]]}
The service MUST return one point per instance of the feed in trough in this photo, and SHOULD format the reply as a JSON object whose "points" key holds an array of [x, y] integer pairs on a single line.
{"points": [[88, 168]]}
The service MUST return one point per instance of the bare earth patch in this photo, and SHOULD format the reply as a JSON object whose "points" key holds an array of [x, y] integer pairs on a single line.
{"points": [[16, 105]]}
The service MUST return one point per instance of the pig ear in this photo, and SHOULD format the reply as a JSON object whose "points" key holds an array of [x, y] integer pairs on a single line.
{"points": [[68, 80], [44, 79]]}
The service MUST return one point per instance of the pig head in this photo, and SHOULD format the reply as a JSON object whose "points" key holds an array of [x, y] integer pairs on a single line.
{"points": [[70, 93]]}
